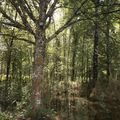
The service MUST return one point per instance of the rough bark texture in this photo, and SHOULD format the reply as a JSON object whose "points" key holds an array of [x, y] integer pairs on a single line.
{"points": [[39, 57]]}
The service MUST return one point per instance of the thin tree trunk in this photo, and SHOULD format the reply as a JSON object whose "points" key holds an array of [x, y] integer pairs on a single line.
{"points": [[74, 50], [82, 58], [7, 80], [94, 79], [9, 60], [107, 44]]}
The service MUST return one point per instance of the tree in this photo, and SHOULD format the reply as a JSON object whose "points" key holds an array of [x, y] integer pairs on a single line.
{"points": [[94, 79], [35, 18]]}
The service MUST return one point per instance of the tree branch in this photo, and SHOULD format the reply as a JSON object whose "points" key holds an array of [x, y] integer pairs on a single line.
{"points": [[18, 38], [21, 12], [26, 8], [13, 22], [69, 22], [66, 25], [51, 10]]}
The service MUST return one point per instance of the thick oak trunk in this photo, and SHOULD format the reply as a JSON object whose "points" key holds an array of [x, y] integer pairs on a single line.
{"points": [[38, 67]]}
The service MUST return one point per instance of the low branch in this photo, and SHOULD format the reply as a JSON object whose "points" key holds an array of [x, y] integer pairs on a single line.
{"points": [[16, 24], [66, 25], [18, 38], [13, 25], [21, 12]]}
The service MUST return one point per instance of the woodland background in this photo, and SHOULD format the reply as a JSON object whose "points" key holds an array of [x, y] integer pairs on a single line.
{"points": [[63, 53]]}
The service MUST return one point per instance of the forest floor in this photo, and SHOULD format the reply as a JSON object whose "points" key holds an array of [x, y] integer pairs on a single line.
{"points": [[102, 105]]}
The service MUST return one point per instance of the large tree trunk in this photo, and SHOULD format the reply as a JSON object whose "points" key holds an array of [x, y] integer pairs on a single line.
{"points": [[38, 67]]}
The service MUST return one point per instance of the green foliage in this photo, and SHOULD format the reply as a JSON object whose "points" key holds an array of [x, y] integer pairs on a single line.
{"points": [[69, 61], [42, 113]]}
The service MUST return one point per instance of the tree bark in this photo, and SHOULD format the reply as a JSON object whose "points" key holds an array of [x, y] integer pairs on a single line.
{"points": [[94, 79], [107, 43], [74, 51], [39, 58]]}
